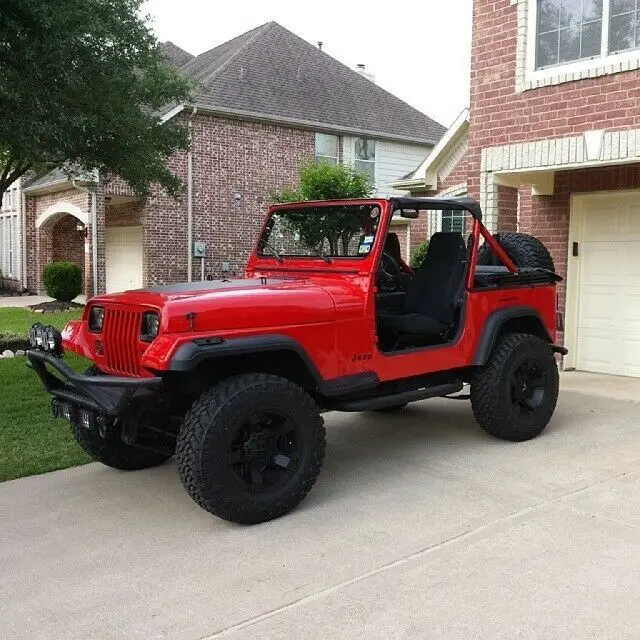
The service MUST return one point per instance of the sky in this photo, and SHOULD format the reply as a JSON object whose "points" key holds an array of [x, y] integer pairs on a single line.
{"points": [[419, 51]]}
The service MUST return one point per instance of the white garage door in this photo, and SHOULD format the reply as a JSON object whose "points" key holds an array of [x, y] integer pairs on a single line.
{"points": [[608, 309], [124, 258]]}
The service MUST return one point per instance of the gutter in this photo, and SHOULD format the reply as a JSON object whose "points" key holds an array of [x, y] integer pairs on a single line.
{"points": [[190, 197], [298, 123]]}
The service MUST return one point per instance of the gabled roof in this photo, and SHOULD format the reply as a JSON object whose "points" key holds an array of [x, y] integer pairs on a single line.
{"points": [[270, 73], [426, 175], [174, 54]]}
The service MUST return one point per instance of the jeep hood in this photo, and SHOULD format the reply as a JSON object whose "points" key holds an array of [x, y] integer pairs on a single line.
{"points": [[231, 304]]}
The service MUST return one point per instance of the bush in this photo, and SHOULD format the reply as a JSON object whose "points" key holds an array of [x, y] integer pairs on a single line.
{"points": [[418, 254], [62, 280]]}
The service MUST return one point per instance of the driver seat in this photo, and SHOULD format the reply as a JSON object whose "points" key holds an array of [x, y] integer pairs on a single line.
{"points": [[433, 294]]}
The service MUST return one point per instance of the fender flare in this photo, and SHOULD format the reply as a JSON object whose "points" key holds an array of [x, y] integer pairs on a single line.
{"points": [[494, 324], [188, 356]]}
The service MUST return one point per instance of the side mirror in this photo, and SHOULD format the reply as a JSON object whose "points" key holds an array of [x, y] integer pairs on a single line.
{"points": [[411, 214]]}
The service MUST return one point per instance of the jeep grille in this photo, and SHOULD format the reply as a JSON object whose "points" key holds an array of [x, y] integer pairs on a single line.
{"points": [[121, 338]]}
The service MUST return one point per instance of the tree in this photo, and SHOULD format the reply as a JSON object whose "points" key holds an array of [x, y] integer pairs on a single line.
{"points": [[81, 85], [324, 181]]}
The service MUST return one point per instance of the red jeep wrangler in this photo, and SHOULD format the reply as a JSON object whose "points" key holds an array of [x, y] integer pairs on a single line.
{"points": [[232, 376]]}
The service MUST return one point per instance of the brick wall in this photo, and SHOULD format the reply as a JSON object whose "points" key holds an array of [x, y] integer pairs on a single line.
{"points": [[126, 214], [235, 166], [40, 243], [500, 115]]}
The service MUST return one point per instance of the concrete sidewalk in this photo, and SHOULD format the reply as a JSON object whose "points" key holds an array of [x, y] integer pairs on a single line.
{"points": [[27, 301], [420, 526]]}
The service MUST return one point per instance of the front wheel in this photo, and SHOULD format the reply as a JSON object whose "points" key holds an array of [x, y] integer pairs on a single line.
{"points": [[514, 395], [251, 448]]}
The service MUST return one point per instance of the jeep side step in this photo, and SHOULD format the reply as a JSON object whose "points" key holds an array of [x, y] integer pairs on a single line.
{"points": [[391, 399]]}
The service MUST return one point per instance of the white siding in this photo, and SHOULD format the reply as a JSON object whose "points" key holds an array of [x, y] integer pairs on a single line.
{"points": [[10, 233], [393, 161]]}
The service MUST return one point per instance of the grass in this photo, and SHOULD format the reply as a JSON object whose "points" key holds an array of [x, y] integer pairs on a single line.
{"points": [[31, 440], [15, 323]]}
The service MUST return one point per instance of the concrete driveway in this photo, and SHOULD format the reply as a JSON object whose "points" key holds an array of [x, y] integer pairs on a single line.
{"points": [[419, 527]]}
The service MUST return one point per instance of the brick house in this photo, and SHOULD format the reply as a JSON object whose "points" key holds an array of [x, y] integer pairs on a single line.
{"points": [[553, 149], [267, 101]]}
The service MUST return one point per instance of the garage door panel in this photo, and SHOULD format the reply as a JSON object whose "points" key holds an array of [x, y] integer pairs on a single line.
{"points": [[123, 258], [608, 323]]}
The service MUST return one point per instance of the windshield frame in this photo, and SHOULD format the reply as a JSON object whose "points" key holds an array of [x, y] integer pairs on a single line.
{"points": [[260, 254]]}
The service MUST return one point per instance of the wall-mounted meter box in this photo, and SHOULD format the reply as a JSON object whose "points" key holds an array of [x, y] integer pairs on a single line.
{"points": [[199, 249]]}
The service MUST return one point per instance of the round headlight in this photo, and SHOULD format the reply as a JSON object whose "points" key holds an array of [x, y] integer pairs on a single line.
{"points": [[150, 325], [96, 319], [36, 336]]}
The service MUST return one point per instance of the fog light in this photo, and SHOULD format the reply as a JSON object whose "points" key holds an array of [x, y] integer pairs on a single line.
{"points": [[37, 336], [52, 341], [86, 419]]}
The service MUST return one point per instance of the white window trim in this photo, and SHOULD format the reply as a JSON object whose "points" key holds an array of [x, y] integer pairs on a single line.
{"points": [[528, 77], [372, 162]]}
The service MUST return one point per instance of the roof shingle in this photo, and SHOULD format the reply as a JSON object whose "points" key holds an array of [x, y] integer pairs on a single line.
{"points": [[271, 71]]}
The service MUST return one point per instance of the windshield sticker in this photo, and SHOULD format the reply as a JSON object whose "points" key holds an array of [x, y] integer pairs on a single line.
{"points": [[368, 239], [375, 212], [364, 248]]}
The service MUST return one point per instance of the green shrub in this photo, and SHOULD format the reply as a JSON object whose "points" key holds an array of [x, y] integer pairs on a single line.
{"points": [[62, 280], [418, 254]]}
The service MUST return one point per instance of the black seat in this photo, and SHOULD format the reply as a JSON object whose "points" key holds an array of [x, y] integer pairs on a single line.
{"points": [[433, 293], [392, 247]]}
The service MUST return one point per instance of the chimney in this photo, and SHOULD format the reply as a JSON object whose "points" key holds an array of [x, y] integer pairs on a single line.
{"points": [[320, 43], [362, 70]]}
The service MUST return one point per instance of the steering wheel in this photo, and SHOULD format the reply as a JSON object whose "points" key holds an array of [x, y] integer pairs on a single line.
{"points": [[390, 275]]}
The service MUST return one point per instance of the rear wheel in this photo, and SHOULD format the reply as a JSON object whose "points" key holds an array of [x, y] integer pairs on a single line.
{"points": [[524, 250], [514, 394], [251, 448]]}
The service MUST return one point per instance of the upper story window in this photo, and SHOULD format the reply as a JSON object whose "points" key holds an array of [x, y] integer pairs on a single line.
{"points": [[365, 156], [326, 148], [572, 30], [454, 221]]}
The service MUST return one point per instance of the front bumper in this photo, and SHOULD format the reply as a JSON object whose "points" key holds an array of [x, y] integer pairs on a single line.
{"points": [[104, 395]]}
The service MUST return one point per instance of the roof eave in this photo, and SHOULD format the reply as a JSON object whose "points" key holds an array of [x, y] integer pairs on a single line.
{"points": [[425, 176], [297, 123]]}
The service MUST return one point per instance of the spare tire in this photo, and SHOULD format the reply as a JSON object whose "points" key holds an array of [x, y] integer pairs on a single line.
{"points": [[524, 250]]}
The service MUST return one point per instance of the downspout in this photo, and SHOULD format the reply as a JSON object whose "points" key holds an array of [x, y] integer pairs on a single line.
{"points": [[94, 235], [23, 222], [190, 197]]}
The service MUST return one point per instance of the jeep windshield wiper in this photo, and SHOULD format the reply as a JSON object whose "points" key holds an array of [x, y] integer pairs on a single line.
{"points": [[321, 254], [276, 255]]}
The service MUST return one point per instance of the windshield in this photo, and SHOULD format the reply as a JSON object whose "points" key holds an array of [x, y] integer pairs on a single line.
{"points": [[347, 231]]}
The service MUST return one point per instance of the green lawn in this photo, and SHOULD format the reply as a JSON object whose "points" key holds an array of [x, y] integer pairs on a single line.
{"points": [[15, 323], [31, 440]]}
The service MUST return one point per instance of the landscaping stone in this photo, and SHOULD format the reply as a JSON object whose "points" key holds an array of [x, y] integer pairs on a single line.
{"points": [[20, 352], [7, 354]]}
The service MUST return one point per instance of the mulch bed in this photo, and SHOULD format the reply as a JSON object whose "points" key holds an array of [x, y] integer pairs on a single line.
{"points": [[14, 345], [55, 305]]}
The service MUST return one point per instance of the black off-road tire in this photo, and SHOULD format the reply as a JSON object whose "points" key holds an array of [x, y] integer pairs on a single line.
{"points": [[393, 409], [494, 393], [112, 451], [524, 250], [214, 422]]}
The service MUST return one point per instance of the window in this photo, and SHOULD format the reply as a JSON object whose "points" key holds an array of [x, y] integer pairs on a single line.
{"points": [[572, 30], [365, 154], [9, 240], [454, 221], [326, 148]]}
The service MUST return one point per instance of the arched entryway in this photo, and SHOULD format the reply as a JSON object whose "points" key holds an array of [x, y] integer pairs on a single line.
{"points": [[62, 235]]}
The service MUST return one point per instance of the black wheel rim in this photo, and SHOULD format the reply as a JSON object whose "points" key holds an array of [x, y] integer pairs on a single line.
{"points": [[528, 388], [265, 451]]}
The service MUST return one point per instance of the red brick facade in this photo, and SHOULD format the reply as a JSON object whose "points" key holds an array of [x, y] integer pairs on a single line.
{"points": [[236, 164]]}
